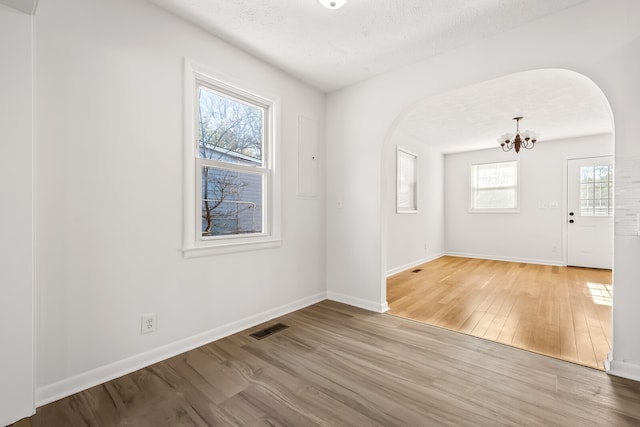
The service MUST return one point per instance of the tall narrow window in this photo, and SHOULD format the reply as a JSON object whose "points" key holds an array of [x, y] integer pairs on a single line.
{"points": [[231, 186], [494, 187], [232, 168], [407, 185], [596, 190]]}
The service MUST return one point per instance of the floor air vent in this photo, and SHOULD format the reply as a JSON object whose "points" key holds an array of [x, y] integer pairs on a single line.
{"points": [[269, 331], [417, 270]]}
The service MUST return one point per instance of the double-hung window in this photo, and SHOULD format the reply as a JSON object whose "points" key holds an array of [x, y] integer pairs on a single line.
{"points": [[494, 187], [230, 168]]}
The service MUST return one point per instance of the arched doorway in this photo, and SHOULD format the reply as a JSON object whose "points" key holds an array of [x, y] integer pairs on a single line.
{"points": [[455, 129]]}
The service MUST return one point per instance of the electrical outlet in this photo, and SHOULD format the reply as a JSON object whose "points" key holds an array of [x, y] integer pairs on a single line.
{"points": [[149, 323]]}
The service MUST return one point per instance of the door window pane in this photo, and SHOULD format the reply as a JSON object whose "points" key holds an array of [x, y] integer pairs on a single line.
{"points": [[596, 190]]}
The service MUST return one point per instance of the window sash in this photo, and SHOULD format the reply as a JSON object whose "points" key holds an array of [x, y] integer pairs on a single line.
{"points": [[498, 177], [264, 175], [407, 181], [255, 104]]}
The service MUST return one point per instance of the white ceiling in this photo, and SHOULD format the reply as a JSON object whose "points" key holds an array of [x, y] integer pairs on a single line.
{"points": [[557, 104], [331, 49]]}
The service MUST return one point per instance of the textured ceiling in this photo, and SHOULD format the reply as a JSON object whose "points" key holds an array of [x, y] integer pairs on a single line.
{"points": [[556, 104], [331, 49]]}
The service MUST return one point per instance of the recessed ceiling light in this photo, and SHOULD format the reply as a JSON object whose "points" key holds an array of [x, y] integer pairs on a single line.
{"points": [[333, 4]]}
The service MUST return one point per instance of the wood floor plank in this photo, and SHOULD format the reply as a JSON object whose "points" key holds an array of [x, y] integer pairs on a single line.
{"points": [[340, 365], [561, 312]]}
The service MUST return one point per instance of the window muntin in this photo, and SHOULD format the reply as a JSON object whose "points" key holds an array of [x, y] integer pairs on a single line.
{"points": [[494, 186], [596, 190], [231, 163]]}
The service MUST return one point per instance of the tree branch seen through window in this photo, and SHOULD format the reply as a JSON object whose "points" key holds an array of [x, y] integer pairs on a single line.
{"points": [[231, 134]]}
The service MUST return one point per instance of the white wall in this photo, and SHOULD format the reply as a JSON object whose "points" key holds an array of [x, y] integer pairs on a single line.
{"points": [[16, 216], [536, 233], [414, 238], [598, 38], [109, 207]]}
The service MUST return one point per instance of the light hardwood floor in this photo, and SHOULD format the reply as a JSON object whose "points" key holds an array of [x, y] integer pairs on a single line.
{"points": [[338, 365], [563, 312]]}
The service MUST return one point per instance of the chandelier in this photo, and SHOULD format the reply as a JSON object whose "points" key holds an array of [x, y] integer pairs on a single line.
{"points": [[510, 141]]}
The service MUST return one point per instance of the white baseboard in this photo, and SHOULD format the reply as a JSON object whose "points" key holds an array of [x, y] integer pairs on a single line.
{"points": [[102, 374], [378, 307], [622, 368], [413, 264], [507, 259]]}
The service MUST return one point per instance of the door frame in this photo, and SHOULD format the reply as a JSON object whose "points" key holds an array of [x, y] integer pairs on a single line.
{"points": [[565, 206]]}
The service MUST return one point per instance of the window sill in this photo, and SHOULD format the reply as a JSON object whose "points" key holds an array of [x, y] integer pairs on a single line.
{"points": [[229, 248]]}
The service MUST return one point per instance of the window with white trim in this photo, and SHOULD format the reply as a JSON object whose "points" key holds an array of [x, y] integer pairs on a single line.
{"points": [[230, 202], [596, 190], [407, 185], [494, 187], [230, 159]]}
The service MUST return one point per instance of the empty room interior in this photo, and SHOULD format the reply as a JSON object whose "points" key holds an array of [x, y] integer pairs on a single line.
{"points": [[541, 220], [319, 212]]}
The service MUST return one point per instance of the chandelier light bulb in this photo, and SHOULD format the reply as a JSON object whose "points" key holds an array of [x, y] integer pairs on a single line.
{"points": [[333, 4]]}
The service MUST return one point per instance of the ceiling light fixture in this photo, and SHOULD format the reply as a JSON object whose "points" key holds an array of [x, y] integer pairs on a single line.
{"points": [[510, 141], [333, 4]]}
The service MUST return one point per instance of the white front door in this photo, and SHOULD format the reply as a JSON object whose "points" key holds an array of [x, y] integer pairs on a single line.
{"points": [[590, 212]]}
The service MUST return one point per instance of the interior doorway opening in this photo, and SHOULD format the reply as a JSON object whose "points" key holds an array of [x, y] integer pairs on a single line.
{"points": [[533, 239]]}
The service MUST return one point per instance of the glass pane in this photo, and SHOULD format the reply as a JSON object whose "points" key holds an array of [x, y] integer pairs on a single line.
{"points": [[586, 207], [601, 173], [601, 207], [602, 190], [586, 191], [407, 198], [596, 190], [229, 130], [503, 198], [586, 174], [232, 202], [502, 174]]}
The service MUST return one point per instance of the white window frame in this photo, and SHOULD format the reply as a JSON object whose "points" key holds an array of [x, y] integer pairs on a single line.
{"points": [[194, 244], [473, 209], [412, 182], [610, 192]]}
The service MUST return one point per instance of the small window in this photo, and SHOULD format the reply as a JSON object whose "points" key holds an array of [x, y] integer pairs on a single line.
{"points": [[407, 184], [494, 187], [230, 182], [596, 190]]}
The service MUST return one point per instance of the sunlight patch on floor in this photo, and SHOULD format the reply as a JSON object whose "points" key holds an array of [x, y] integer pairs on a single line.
{"points": [[600, 293]]}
